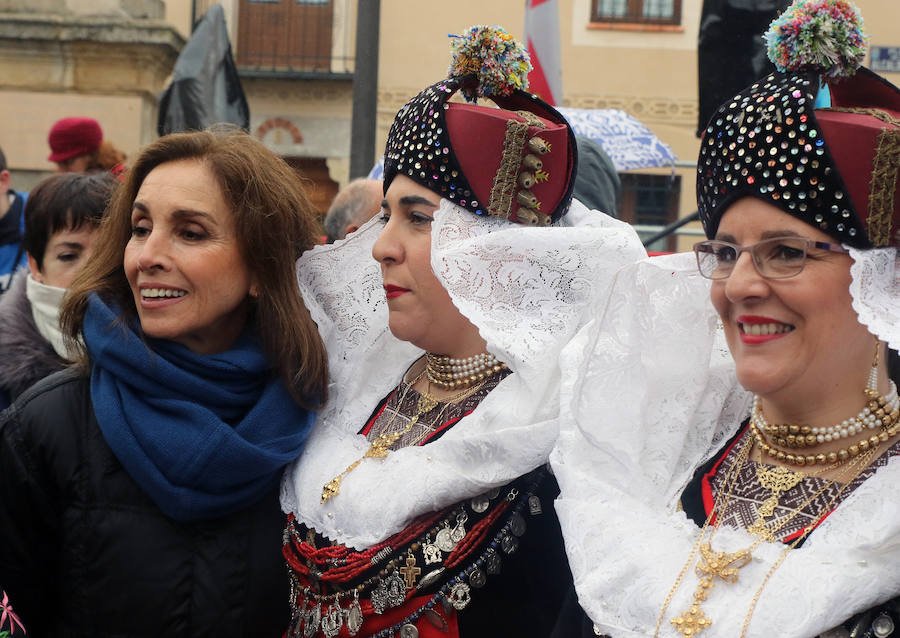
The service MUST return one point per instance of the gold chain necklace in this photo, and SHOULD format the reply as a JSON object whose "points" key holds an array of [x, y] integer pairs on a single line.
{"points": [[725, 566], [380, 447], [863, 462], [694, 619]]}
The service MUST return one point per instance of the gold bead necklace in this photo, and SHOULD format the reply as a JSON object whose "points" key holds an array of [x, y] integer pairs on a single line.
{"points": [[450, 374]]}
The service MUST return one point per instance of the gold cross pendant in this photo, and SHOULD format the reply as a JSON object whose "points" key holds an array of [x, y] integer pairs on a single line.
{"points": [[721, 564], [691, 622], [712, 565]]}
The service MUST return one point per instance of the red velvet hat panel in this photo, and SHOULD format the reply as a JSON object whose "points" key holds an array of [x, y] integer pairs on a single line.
{"points": [[865, 89], [517, 163], [447, 147], [862, 130], [866, 153]]}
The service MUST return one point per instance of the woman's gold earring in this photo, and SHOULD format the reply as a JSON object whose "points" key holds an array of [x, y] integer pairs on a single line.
{"points": [[873, 371]]}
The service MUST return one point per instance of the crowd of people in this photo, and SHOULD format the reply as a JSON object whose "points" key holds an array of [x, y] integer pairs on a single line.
{"points": [[479, 408]]}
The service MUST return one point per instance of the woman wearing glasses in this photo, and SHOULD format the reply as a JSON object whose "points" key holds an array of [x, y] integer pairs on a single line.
{"points": [[768, 509]]}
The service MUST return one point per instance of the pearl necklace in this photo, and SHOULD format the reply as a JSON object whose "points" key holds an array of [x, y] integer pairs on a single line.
{"points": [[804, 435], [880, 412], [449, 373]]}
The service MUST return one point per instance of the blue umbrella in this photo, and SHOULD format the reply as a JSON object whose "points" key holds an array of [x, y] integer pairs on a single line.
{"points": [[626, 140]]}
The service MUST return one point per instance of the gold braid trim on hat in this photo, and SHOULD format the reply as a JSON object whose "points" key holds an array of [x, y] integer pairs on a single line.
{"points": [[508, 176], [883, 185], [505, 179], [531, 118]]}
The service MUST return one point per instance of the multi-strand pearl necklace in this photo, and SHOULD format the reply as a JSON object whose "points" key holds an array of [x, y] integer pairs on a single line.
{"points": [[881, 412], [449, 373], [805, 435]]}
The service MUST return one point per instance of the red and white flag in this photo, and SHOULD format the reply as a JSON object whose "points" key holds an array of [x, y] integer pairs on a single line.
{"points": [[542, 35]]}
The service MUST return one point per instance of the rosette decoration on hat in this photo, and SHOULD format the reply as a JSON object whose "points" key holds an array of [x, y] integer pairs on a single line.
{"points": [[515, 163], [835, 168]]}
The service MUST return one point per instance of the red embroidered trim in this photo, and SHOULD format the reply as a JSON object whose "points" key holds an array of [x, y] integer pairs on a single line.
{"points": [[368, 427], [705, 488]]}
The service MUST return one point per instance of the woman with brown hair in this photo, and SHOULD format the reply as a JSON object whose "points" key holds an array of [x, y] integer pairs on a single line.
{"points": [[140, 490]]}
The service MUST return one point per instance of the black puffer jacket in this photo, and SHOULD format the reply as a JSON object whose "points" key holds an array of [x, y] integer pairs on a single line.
{"points": [[85, 552]]}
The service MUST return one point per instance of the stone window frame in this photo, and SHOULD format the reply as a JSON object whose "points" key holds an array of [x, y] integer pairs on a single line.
{"points": [[634, 16]]}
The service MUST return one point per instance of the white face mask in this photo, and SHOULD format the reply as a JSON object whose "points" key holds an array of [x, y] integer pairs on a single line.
{"points": [[45, 302]]}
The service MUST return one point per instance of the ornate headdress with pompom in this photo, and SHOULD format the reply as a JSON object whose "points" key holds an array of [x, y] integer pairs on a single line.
{"points": [[834, 168], [824, 36], [491, 54], [516, 162]]}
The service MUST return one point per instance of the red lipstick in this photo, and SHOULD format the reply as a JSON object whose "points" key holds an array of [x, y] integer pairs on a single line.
{"points": [[391, 291]]}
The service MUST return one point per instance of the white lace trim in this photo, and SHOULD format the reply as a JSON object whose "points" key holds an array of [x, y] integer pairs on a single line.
{"points": [[650, 394], [875, 288], [526, 289]]}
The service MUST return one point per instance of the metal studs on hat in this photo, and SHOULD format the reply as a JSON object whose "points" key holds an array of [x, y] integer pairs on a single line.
{"points": [[418, 146], [766, 143]]}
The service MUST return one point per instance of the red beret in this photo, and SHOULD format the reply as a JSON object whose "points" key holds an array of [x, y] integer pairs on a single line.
{"points": [[74, 136]]}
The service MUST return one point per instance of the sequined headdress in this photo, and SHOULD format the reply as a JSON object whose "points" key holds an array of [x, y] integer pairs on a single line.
{"points": [[516, 162], [835, 168]]}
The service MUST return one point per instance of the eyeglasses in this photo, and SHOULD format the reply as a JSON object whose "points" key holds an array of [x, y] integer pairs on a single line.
{"points": [[776, 258]]}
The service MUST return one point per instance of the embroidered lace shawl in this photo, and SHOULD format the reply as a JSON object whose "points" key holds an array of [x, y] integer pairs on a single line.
{"points": [[526, 289], [669, 400]]}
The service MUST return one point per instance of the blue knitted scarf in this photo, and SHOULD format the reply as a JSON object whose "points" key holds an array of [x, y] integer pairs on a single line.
{"points": [[203, 435]]}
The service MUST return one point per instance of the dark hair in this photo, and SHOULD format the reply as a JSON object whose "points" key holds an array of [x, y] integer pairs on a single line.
{"points": [[64, 202], [3, 165], [274, 224]]}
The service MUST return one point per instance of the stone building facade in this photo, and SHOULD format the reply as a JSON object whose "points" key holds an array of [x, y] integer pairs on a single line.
{"points": [[110, 59]]}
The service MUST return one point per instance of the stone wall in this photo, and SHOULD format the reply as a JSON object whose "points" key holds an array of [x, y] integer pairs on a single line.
{"points": [[107, 59]]}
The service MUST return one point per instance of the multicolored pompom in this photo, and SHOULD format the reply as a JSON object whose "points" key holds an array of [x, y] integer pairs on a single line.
{"points": [[492, 54], [818, 35]]}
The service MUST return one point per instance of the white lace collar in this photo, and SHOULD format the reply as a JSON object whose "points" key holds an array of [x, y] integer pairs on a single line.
{"points": [[875, 289], [526, 289], [669, 399]]}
